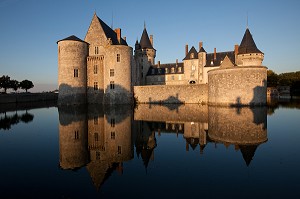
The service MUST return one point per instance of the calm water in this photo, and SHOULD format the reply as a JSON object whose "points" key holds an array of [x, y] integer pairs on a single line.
{"points": [[186, 151]]}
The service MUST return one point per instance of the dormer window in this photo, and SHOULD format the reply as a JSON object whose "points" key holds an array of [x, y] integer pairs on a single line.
{"points": [[179, 69], [211, 62], [159, 71], [172, 70], [166, 70], [192, 55]]}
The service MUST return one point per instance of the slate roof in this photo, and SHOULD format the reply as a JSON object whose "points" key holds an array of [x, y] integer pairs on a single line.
{"points": [[161, 70], [145, 41], [110, 33], [202, 50], [188, 56], [219, 57], [248, 45], [71, 38]]}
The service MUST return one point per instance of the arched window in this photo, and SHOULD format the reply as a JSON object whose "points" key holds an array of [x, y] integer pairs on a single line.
{"points": [[192, 55]]}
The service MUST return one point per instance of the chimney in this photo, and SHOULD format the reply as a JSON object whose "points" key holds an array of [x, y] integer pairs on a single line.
{"points": [[151, 40], [124, 38], [176, 62], [186, 49], [158, 64], [215, 53], [118, 31], [236, 49], [200, 45]]}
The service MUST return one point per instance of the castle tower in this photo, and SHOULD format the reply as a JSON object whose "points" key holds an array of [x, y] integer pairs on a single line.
{"points": [[202, 62], [190, 63], [248, 53], [108, 65], [144, 56], [72, 54]]}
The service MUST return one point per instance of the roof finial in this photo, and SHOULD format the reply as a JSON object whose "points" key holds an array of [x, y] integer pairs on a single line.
{"points": [[144, 24], [112, 19], [247, 19]]}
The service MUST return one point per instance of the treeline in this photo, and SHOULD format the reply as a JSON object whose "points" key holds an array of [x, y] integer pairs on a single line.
{"points": [[7, 83], [7, 121], [285, 79]]}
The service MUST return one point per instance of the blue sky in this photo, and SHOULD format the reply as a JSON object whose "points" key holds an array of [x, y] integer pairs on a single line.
{"points": [[29, 30]]}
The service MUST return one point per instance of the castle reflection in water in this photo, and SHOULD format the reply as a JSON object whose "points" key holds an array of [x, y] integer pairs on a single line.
{"points": [[102, 138]]}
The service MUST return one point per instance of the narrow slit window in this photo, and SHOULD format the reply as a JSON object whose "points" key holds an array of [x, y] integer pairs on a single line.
{"points": [[112, 72], [75, 72], [118, 57], [112, 85], [95, 86], [95, 69]]}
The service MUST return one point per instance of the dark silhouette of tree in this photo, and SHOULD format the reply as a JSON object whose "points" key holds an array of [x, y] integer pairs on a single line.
{"points": [[26, 84], [14, 84], [27, 117], [5, 82], [272, 79]]}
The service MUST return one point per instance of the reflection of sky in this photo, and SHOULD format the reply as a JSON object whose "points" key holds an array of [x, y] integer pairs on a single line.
{"points": [[30, 165]]}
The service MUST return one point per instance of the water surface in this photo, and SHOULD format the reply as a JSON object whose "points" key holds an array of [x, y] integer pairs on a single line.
{"points": [[151, 151]]}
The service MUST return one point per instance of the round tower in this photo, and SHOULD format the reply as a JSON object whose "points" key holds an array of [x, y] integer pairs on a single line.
{"points": [[72, 70]]}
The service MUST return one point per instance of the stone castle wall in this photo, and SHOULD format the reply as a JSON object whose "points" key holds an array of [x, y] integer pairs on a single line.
{"points": [[193, 94], [237, 86], [72, 56]]}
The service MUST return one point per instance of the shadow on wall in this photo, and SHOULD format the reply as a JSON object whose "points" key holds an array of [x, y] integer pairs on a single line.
{"points": [[169, 100], [112, 94], [259, 97]]}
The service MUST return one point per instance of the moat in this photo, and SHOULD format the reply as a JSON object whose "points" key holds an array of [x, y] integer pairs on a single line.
{"points": [[150, 151]]}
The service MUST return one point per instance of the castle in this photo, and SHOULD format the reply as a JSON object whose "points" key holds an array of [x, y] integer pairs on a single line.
{"points": [[103, 69]]}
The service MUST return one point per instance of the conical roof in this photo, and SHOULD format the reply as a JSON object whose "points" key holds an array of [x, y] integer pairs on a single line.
{"points": [[248, 45], [145, 41], [71, 38]]}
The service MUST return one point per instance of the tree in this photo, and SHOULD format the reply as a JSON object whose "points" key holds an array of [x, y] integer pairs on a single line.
{"points": [[5, 82], [272, 79], [14, 84], [26, 84]]}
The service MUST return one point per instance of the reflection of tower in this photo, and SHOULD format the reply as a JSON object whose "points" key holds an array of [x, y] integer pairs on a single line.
{"points": [[109, 138], [243, 127], [145, 142], [72, 137], [195, 133]]}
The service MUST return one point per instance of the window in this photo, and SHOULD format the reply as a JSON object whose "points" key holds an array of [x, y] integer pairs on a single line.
{"points": [[179, 77], [96, 137], [166, 70], [95, 69], [159, 71], [95, 86], [97, 155], [112, 122], [112, 72], [211, 62], [112, 135], [75, 72], [172, 70], [119, 150], [112, 85], [96, 50], [118, 57], [96, 120], [142, 74], [172, 77], [193, 67], [76, 135], [179, 69], [192, 55]]}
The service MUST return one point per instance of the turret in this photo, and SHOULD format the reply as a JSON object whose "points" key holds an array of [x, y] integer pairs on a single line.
{"points": [[72, 66], [202, 61], [248, 54], [145, 56]]}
